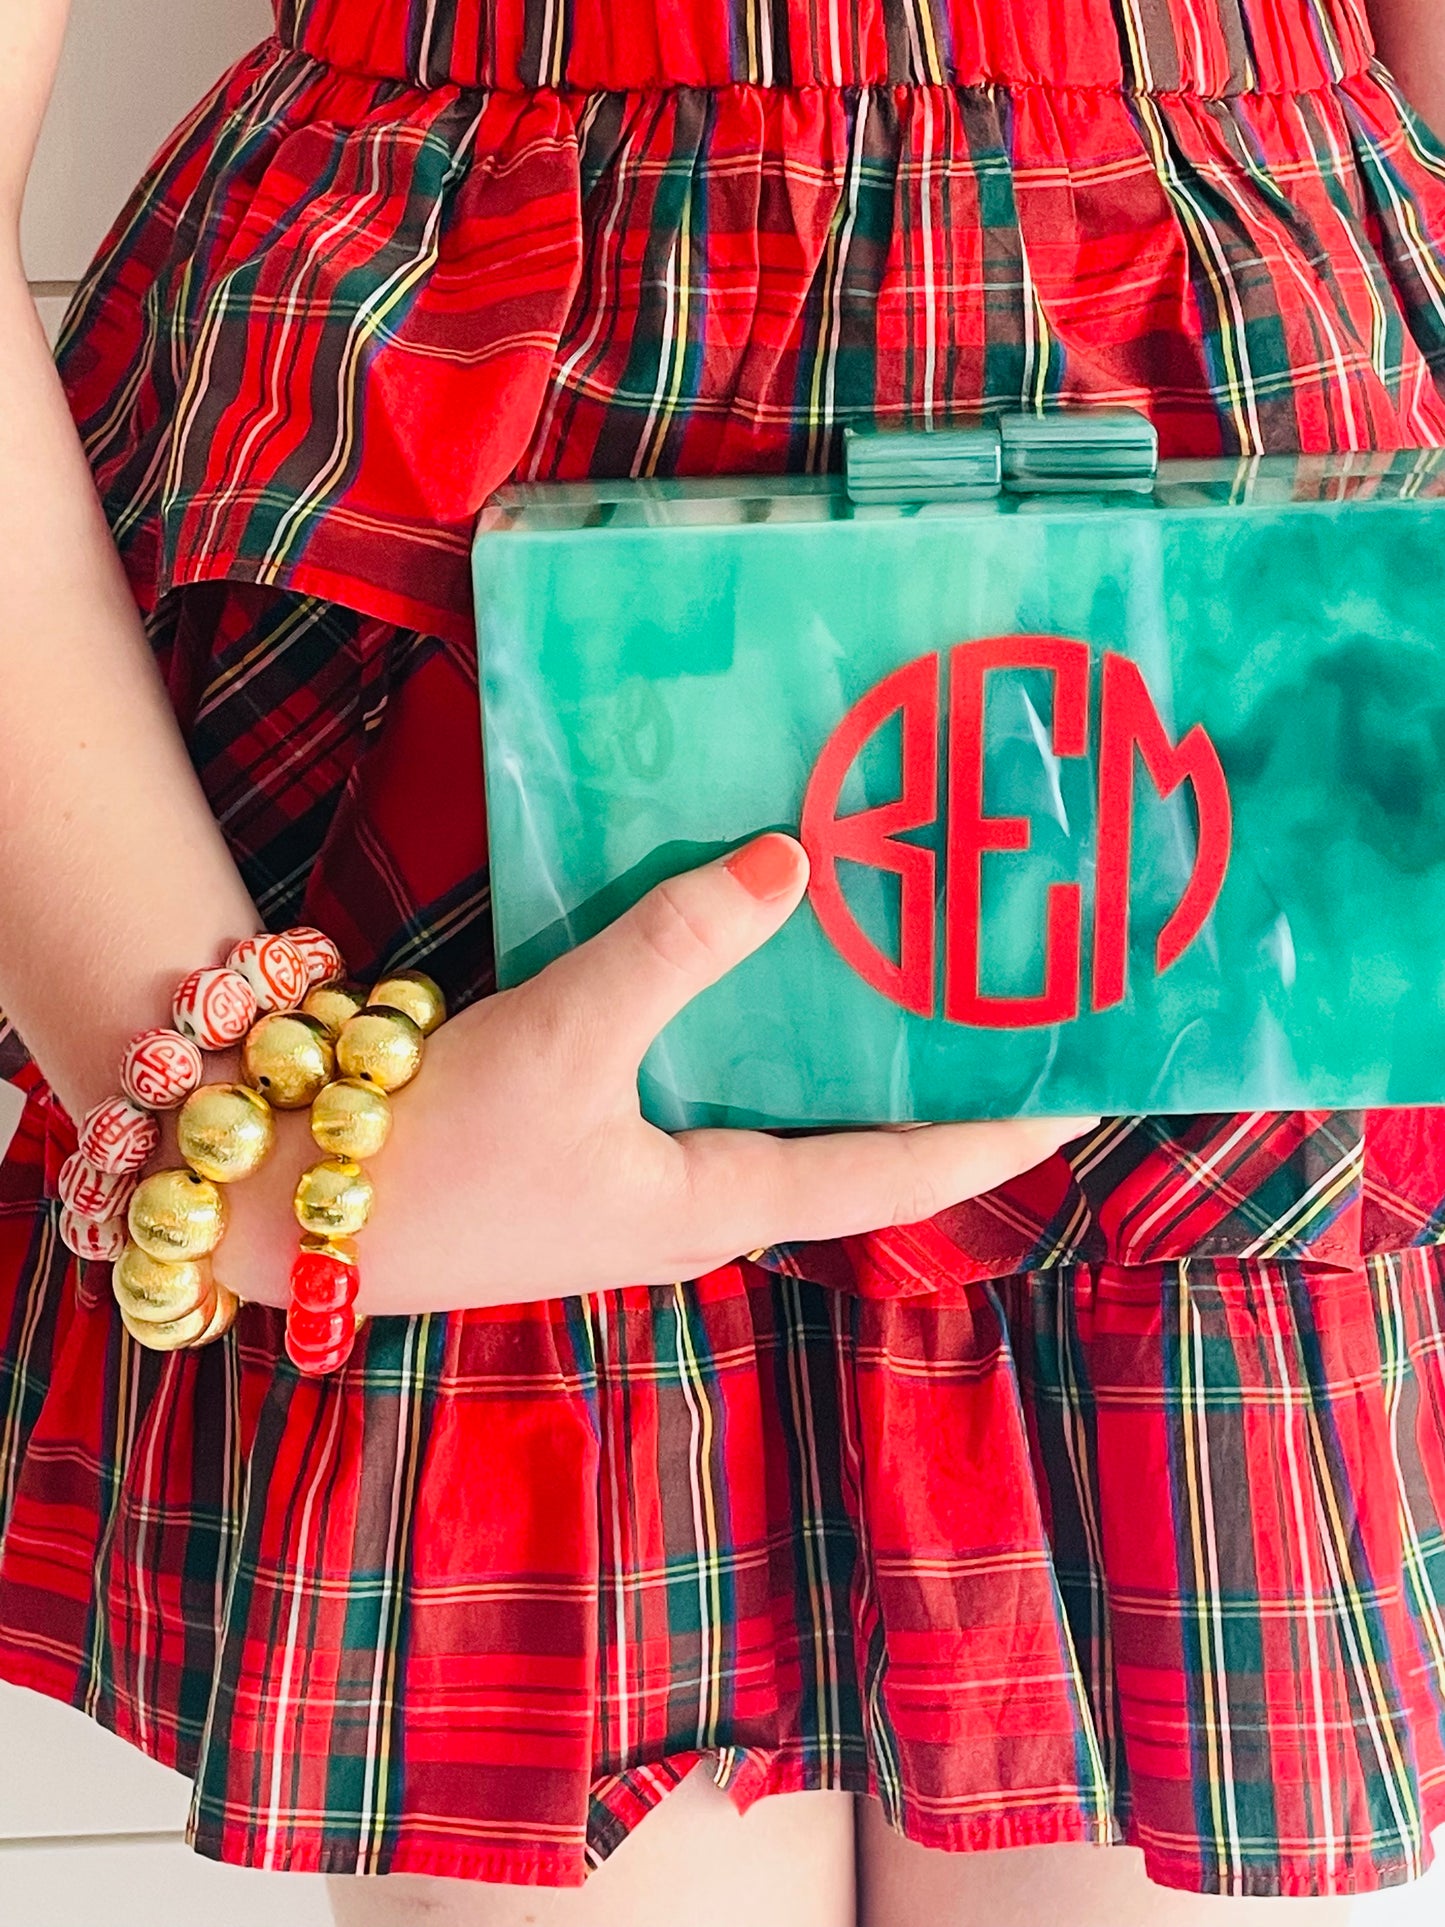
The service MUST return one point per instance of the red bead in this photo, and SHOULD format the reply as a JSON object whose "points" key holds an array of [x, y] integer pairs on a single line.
{"points": [[321, 1283], [319, 1331], [321, 1365], [320, 1324]]}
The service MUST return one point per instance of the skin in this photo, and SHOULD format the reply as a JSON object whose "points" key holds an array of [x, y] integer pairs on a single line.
{"points": [[1410, 36], [95, 931]]}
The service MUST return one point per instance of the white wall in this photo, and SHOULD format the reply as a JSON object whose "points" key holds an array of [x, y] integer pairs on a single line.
{"points": [[131, 70], [91, 1836]]}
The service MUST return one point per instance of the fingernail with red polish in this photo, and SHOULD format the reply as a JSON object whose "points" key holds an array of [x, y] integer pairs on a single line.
{"points": [[767, 869]]}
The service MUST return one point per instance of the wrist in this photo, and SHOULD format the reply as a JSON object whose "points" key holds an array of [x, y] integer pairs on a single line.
{"points": [[183, 1112], [255, 1256], [80, 1036], [261, 1241]]}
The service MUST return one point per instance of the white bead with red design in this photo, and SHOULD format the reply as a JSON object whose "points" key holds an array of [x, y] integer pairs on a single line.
{"points": [[103, 1242], [92, 1193], [214, 1007], [117, 1137], [161, 1069], [324, 962], [275, 970]]}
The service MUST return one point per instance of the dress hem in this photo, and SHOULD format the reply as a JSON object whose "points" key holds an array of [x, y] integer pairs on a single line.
{"points": [[1044, 1827]]}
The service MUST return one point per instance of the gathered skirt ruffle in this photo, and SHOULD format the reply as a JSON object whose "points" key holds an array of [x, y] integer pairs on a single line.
{"points": [[342, 310], [1145, 1552]]}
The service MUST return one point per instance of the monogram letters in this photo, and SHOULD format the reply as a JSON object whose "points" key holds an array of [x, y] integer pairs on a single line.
{"points": [[1128, 723]]}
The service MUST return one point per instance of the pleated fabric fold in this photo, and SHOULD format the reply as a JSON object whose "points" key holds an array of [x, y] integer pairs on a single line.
{"points": [[342, 310]]}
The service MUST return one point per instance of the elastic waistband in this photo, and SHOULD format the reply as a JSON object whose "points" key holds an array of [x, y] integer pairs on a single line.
{"points": [[1210, 47]]}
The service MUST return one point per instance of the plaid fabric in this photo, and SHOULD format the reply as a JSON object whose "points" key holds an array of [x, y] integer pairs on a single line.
{"points": [[1110, 1505]]}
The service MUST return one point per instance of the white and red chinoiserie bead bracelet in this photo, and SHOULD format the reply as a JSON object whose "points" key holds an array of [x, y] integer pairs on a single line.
{"points": [[213, 1010]]}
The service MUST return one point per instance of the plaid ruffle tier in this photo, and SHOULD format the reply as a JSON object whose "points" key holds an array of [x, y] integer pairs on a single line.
{"points": [[1109, 1506]]}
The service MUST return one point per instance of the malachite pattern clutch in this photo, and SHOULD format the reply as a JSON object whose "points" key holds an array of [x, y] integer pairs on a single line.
{"points": [[1123, 797]]}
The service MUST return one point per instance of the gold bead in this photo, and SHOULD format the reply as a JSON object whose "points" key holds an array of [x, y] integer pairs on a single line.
{"points": [[333, 1199], [226, 1132], [382, 1048], [288, 1058], [222, 1318], [176, 1216], [153, 1292], [351, 1120], [178, 1335], [415, 994], [334, 1005], [338, 1247]]}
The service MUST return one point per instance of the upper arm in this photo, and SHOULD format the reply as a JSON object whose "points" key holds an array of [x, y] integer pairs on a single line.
{"points": [[30, 35], [1410, 35]]}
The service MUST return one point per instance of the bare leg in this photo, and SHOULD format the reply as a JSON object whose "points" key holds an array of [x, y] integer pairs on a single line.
{"points": [[901, 1885], [693, 1863]]}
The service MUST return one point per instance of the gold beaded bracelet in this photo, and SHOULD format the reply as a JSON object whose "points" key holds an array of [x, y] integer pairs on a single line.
{"points": [[379, 1045], [161, 1232], [225, 1132]]}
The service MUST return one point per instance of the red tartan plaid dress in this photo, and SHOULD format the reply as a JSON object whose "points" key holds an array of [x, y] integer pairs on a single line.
{"points": [[1112, 1506]]}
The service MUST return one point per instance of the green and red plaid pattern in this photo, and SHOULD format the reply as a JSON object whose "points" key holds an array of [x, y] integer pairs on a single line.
{"points": [[1108, 1506]]}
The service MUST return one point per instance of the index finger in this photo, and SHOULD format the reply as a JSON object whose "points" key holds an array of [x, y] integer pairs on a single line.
{"points": [[748, 1190]]}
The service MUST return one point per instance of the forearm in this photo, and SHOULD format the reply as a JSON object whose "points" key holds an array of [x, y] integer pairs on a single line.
{"points": [[1410, 35], [114, 879]]}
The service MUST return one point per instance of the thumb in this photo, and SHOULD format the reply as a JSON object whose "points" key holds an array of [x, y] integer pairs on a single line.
{"points": [[639, 973]]}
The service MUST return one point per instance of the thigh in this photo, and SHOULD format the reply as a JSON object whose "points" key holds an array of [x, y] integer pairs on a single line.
{"points": [[695, 1862], [901, 1885]]}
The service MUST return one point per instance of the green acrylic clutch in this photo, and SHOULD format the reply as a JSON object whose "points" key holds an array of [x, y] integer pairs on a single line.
{"points": [[1123, 800]]}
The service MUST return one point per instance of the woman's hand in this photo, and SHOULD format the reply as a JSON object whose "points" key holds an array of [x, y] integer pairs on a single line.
{"points": [[521, 1166]]}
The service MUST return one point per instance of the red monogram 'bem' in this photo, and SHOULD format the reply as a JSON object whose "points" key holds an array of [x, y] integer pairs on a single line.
{"points": [[1129, 724]]}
